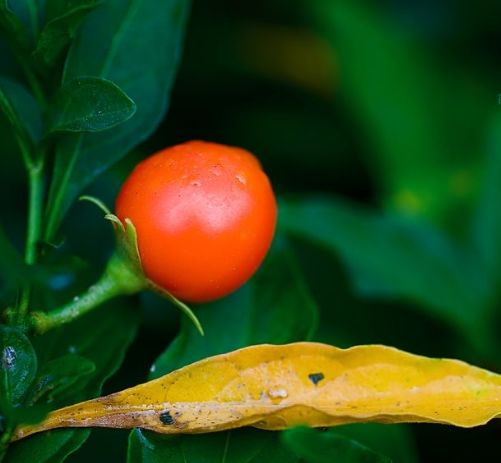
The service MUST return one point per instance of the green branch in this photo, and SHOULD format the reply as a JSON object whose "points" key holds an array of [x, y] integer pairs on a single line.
{"points": [[118, 279]]}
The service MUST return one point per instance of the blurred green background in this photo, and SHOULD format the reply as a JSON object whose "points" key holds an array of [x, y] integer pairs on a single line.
{"points": [[390, 107]]}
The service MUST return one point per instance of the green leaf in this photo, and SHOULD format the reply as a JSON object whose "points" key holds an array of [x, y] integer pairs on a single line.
{"points": [[53, 447], [394, 257], [487, 221], [60, 378], [137, 45], [395, 441], [101, 337], [18, 363], [247, 446], [12, 267], [23, 114], [61, 28], [274, 307], [90, 104], [238, 446], [12, 26], [327, 446], [28, 13]]}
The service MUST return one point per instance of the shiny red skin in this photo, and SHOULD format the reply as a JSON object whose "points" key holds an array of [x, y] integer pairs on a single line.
{"points": [[205, 216]]}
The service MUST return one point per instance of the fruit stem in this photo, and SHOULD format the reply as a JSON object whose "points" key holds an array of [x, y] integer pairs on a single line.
{"points": [[119, 278]]}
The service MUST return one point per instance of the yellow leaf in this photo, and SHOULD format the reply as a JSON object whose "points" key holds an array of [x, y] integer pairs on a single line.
{"points": [[275, 387]]}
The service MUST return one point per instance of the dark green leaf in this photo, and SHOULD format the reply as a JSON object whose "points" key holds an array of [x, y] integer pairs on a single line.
{"points": [[18, 364], [238, 446], [487, 225], [101, 337], [29, 13], [51, 447], [137, 45], [61, 378], [393, 256], [395, 441], [12, 268], [22, 112], [327, 446], [90, 104], [12, 26], [61, 28], [273, 307]]}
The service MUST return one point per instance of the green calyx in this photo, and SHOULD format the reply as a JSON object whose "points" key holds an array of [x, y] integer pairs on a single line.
{"points": [[123, 275]]}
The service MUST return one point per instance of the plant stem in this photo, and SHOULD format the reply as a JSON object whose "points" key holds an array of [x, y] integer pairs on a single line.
{"points": [[118, 279], [34, 227], [36, 181]]}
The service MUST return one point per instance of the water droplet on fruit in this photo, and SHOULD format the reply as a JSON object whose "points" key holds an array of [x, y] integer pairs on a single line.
{"points": [[241, 179]]}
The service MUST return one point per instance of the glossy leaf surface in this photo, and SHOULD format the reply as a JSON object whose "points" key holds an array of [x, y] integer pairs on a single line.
{"points": [[90, 104], [18, 364], [136, 45]]}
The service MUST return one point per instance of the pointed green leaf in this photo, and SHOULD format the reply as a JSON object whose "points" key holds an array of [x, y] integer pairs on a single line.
{"points": [[61, 29], [90, 104], [137, 45]]}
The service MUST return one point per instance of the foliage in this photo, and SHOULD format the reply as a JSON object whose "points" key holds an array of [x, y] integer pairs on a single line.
{"points": [[380, 128]]}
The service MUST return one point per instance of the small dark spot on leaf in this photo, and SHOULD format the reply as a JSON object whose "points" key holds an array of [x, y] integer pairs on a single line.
{"points": [[315, 378], [166, 418]]}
